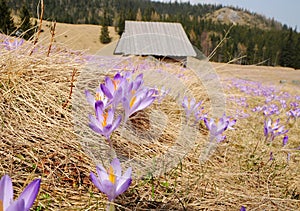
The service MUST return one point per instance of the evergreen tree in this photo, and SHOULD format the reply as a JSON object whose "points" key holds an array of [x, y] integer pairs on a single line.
{"points": [[104, 36], [26, 25], [121, 23], [297, 55], [6, 22], [287, 57]]}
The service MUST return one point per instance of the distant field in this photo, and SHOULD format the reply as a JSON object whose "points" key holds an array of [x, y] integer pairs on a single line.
{"points": [[77, 36]]}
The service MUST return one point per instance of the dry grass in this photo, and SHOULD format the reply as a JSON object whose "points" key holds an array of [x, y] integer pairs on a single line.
{"points": [[83, 37], [38, 139]]}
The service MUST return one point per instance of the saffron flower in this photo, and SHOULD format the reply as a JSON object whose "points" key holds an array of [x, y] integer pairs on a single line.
{"points": [[161, 93], [136, 101], [190, 106], [25, 200], [231, 122], [104, 123], [111, 86], [12, 44], [294, 113], [271, 130], [112, 182], [99, 96], [216, 129]]}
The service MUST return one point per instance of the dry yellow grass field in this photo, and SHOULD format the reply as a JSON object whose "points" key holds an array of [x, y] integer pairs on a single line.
{"points": [[81, 37], [38, 137]]}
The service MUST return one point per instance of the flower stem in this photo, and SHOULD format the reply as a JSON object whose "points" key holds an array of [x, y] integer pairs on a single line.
{"points": [[110, 207]]}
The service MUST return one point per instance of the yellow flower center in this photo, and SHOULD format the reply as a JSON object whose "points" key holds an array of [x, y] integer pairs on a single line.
{"points": [[1, 206], [116, 83], [111, 175], [132, 101], [98, 97], [104, 122]]}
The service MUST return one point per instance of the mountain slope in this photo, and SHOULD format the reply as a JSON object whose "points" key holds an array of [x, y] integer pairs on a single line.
{"points": [[235, 16]]}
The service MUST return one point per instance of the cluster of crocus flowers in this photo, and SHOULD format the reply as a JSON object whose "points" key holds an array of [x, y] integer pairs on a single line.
{"points": [[12, 44], [119, 90], [216, 129], [111, 182], [294, 113], [25, 200], [273, 129], [125, 95]]}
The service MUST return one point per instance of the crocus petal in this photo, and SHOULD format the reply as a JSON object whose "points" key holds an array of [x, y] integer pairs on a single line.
{"points": [[185, 102], [99, 110], [145, 103], [116, 165], [135, 106], [30, 193], [6, 191], [285, 140], [117, 122], [96, 129], [106, 91], [17, 205], [109, 190], [107, 130], [124, 182], [90, 98], [126, 107], [206, 123], [96, 182], [102, 173], [95, 121], [110, 116]]}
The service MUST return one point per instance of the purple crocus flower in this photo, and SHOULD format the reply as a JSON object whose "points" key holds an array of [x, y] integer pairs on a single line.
{"points": [[190, 106], [259, 108], [285, 140], [271, 156], [161, 93], [12, 44], [294, 104], [99, 96], [243, 208], [231, 122], [200, 115], [273, 129], [216, 130], [111, 86], [271, 109], [112, 182], [25, 200], [294, 113], [104, 123], [120, 86], [136, 101]]}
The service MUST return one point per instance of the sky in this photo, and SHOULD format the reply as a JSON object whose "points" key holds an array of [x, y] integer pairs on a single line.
{"points": [[284, 11]]}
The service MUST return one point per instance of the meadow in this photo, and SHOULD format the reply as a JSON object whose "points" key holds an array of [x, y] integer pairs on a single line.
{"points": [[178, 161]]}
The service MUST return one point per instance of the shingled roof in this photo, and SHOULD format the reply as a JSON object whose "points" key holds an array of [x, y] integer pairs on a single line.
{"points": [[154, 38]]}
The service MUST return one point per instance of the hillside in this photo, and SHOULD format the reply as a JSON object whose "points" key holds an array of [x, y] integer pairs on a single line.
{"points": [[241, 17], [254, 38]]}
